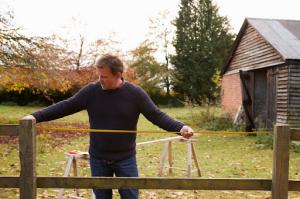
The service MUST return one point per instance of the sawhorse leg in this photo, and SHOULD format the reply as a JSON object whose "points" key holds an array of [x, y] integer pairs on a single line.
{"points": [[196, 160], [166, 151], [70, 161], [191, 154]]}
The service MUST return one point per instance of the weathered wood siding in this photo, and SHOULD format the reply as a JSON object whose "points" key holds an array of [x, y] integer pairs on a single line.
{"points": [[272, 76], [294, 95], [253, 52], [282, 95]]}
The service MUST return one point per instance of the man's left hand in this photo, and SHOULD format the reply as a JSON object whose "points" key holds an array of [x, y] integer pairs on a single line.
{"points": [[186, 132]]}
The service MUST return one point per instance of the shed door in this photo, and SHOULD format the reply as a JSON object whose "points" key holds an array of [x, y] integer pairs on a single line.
{"points": [[246, 85], [260, 98]]}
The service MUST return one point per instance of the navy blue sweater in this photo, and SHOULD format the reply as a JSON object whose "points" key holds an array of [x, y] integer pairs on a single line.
{"points": [[117, 109]]}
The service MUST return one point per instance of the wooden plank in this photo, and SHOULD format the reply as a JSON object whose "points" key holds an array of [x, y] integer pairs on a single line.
{"points": [[258, 51], [67, 173], [75, 172], [148, 183], [281, 116], [283, 78], [282, 120], [269, 59], [296, 98], [177, 138], [251, 42], [255, 54], [9, 182], [296, 70], [251, 67], [196, 160], [294, 106], [294, 94], [189, 159], [282, 85], [170, 158], [293, 115], [295, 134], [155, 183], [163, 158], [247, 68], [294, 185], [295, 78], [255, 45], [282, 95], [27, 142], [280, 176], [9, 129], [282, 82]]}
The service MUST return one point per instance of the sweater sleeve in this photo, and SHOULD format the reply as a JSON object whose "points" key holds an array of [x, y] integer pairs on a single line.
{"points": [[154, 115], [66, 107]]}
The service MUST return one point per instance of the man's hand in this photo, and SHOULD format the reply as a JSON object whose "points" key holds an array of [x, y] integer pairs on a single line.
{"points": [[186, 132], [28, 117]]}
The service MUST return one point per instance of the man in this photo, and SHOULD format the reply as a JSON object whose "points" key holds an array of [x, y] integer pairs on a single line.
{"points": [[113, 103]]}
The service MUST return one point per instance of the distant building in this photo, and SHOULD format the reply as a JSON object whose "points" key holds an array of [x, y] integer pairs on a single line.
{"points": [[262, 74]]}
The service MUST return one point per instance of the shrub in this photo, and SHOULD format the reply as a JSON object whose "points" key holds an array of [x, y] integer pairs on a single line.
{"points": [[211, 120], [295, 146], [264, 141]]}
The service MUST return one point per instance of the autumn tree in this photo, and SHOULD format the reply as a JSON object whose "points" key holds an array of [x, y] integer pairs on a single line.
{"points": [[14, 46], [147, 70]]}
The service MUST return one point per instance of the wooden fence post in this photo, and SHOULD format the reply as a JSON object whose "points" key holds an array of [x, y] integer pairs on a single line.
{"points": [[27, 140], [280, 183]]}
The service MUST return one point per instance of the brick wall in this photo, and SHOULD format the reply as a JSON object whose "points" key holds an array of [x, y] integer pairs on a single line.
{"points": [[231, 93]]}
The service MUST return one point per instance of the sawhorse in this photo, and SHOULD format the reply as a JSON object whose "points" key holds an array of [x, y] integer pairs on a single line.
{"points": [[73, 156], [191, 154]]}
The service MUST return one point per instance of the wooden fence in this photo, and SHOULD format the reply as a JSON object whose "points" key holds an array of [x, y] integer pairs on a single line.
{"points": [[28, 182]]}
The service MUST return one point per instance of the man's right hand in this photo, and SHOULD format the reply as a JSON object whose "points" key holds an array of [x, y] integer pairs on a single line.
{"points": [[186, 132]]}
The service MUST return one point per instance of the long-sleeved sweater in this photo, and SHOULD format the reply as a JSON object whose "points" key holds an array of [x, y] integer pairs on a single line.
{"points": [[117, 109]]}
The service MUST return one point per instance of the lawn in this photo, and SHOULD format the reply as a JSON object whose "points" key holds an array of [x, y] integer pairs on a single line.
{"points": [[220, 156]]}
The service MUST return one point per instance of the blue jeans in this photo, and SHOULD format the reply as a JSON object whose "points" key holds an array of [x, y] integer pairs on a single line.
{"points": [[123, 168]]}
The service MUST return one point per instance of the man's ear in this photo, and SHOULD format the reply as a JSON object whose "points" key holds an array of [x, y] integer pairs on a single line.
{"points": [[119, 74]]}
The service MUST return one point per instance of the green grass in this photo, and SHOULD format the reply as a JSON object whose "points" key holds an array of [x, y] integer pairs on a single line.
{"points": [[220, 156]]}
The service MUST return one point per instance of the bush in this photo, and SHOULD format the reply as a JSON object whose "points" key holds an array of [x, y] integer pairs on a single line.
{"points": [[264, 141], [162, 99], [210, 120], [30, 96], [295, 146]]}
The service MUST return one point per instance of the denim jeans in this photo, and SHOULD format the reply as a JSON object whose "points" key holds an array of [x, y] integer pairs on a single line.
{"points": [[123, 168]]}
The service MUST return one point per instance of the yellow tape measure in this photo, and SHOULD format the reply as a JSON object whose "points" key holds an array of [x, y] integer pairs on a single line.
{"points": [[144, 131]]}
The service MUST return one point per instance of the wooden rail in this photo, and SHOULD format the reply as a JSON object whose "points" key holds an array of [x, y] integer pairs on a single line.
{"points": [[28, 182], [151, 183], [9, 129]]}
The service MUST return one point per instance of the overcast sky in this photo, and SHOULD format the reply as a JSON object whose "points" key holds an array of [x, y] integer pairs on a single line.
{"points": [[129, 20]]}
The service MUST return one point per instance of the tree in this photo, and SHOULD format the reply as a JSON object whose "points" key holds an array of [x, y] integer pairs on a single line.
{"points": [[147, 71], [48, 54], [13, 50], [161, 33], [202, 42], [18, 50]]}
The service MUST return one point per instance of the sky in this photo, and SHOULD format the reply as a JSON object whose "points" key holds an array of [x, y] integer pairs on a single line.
{"points": [[128, 20]]}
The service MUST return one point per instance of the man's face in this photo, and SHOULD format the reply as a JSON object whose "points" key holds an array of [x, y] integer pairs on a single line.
{"points": [[107, 79]]}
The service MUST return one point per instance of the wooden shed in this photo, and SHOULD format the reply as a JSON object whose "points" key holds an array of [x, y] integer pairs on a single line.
{"points": [[262, 74]]}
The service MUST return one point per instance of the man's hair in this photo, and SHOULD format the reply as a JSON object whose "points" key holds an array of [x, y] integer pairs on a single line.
{"points": [[111, 61]]}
